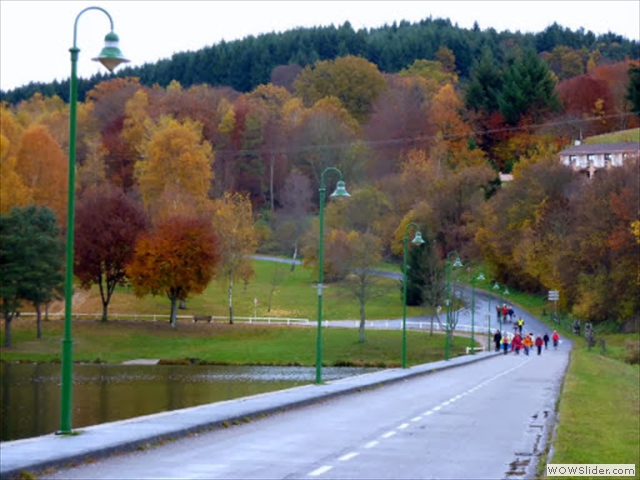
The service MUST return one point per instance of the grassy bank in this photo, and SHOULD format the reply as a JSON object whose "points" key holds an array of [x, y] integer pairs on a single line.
{"points": [[599, 411], [238, 344], [292, 294]]}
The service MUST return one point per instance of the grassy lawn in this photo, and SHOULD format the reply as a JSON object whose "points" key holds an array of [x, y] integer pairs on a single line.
{"points": [[294, 296], [599, 411], [238, 344]]}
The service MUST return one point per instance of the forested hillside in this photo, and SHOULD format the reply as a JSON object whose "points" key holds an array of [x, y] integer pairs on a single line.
{"points": [[419, 119], [245, 64]]}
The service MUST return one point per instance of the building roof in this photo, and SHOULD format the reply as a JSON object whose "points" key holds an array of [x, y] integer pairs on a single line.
{"points": [[586, 149]]}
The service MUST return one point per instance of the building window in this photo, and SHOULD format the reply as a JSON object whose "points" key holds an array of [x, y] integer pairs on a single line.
{"points": [[607, 160], [573, 159]]}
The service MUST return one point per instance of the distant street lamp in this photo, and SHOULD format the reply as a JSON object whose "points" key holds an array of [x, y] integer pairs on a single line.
{"points": [[110, 57], [456, 263], [339, 192], [473, 309], [417, 240], [496, 286]]}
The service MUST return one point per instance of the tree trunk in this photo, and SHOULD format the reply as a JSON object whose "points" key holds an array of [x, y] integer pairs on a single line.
{"points": [[271, 166], [362, 321], [231, 300], [174, 312], [38, 320], [295, 256], [7, 329], [105, 309]]}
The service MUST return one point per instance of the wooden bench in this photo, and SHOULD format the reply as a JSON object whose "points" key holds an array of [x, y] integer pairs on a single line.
{"points": [[202, 318], [476, 349]]}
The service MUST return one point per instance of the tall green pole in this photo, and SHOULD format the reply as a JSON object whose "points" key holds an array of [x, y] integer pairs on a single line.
{"points": [[320, 279], [448, 324], [66, 385], [418, 241], [110, 57], [404, 300], [340, 192], [473, 311]]}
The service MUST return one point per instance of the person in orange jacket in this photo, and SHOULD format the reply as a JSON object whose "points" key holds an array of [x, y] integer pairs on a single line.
{"points": [[527, 343]]}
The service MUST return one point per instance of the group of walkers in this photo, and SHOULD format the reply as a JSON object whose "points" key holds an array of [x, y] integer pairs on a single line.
{"points": [[517, 341], [505, 312]]}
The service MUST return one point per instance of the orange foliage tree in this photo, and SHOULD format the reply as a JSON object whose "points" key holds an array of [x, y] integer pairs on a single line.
{"points": [[178, 259], [42, 166]]}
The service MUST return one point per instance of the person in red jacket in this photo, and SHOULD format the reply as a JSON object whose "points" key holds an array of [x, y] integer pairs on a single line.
{"points": [[539, 344], [556, 339], [517, 343]]}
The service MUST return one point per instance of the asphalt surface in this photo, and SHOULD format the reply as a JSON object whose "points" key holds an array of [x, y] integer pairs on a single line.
{"points": [[56, 451]]}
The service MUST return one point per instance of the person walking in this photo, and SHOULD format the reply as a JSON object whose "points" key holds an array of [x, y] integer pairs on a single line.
{"points": [[520, 324], [527, 343], [545, 339], [556, 339], [539, 343], [517, 343], [497, 337], [505, 342]]}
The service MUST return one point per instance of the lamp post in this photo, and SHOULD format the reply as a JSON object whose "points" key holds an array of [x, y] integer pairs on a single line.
{"points": [[417, 240], [339, 192], [456, 263], [110, 57], [496, 286], [473, 310]]}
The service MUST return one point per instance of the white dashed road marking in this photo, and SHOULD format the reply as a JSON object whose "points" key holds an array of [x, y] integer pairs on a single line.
{"points": [[348, 456], [319, 471], [324, 469]]}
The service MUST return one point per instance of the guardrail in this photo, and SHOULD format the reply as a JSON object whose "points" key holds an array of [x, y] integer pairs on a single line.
{"points": [[189, 318], [395, 324]]}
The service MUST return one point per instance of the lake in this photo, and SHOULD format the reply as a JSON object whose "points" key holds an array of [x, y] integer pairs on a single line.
{"points": [[30, 392]]}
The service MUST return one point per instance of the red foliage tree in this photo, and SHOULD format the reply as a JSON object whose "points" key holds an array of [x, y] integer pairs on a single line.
{"points": [[178, 259], [107, 225]]}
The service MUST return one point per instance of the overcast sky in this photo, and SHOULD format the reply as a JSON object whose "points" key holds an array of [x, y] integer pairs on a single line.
{"points": [[35, 36]]}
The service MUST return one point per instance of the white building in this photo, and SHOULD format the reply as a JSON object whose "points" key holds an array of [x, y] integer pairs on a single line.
{"points": [[590, 158]]}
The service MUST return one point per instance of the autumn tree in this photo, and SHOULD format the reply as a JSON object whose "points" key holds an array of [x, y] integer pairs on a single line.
{"points": [[13, 190], [177, 259], [365, 254], [176, 158], [355, 81], [31, 258], [43, 167], [454, 133], [108, 223], [234, 226]]}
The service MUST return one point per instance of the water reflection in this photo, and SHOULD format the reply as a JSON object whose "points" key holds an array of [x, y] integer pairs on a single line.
{"points": [[30, 393]]}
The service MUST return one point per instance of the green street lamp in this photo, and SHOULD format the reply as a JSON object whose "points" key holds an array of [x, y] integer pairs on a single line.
{"points": [[496, 286], [457, 263], [339, 192], [110, 57], [473, 310], [417, 240]]}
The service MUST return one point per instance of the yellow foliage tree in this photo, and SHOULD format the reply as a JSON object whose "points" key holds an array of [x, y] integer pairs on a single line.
{"points": [[13, 191], [176, 158], [234, 226]]}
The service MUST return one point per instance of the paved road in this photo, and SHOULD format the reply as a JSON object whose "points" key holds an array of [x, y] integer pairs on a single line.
{"points": [[486, 419]]}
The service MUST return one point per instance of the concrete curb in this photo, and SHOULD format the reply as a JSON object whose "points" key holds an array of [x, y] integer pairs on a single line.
{"points": [[35, 455]]}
